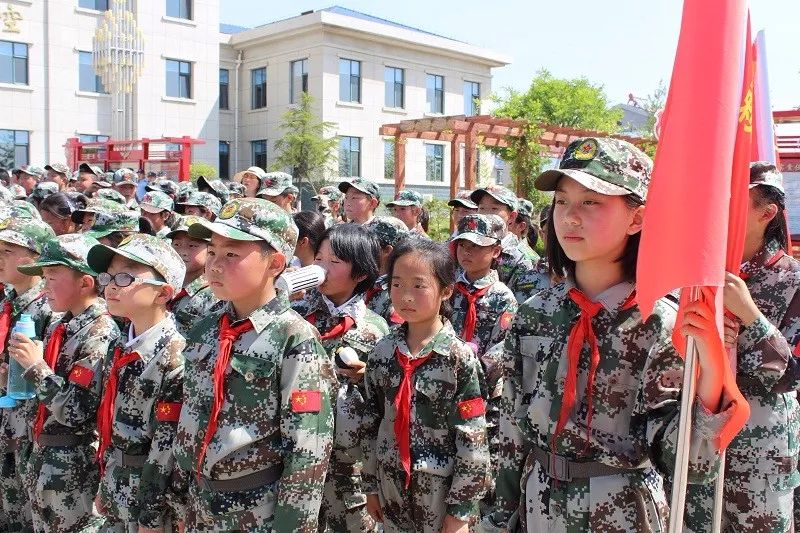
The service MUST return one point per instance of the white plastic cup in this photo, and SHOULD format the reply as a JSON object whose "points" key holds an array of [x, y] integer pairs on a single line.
{"points": [[301, 279]]}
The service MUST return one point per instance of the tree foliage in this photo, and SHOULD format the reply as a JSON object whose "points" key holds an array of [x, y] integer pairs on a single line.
{"points": [[201, 168]]}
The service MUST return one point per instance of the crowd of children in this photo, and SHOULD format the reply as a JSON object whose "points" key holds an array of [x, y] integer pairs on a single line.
{"points": [[421, 387]]}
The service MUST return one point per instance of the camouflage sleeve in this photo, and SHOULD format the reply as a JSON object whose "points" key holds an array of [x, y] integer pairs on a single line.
{"points": [[158, 468], [471, 465], [763, 353], [512, 450], [70, 403], [790, 330], [307, 435], [500, 330], [658, 406], [373, 414]]}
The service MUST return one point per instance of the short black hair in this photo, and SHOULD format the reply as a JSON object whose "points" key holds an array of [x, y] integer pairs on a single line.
{"points": [[356, 245], [776, 229], [59, 204], [310, 224], [437, 255], [560, 263]]}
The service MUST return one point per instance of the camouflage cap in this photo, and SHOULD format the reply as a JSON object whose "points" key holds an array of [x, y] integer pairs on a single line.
{"points": [[252, 219], [96, 205], [463, 199], [524, 207], [361, 184], [111, 194], [389, 230], [184, 222], [204, 199], [405, 198], [215, 187], [19, 210], [43, 190], [33, 170], [164, 185], [104, 181], [125, 176], [109, 217], [91, 169], [155, 202], [70, 250], [499, 193], [18, 191], [29, 233], [258, 172], [235, 190], [61, 168], [276, 183], [185, 188], [766, 173], [331, 192], [607, 166], [149, 250], [6, 194], [483, 230]]}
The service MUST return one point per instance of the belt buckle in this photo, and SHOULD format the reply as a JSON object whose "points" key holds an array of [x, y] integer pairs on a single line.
{"points": [[558, 467]]}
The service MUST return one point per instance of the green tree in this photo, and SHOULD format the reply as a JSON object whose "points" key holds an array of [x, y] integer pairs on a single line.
{"points": [[304, 149], [572, 103], [201, 168]]}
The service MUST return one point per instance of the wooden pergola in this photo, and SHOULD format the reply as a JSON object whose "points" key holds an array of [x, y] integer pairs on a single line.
{"points": [[484, 130]]}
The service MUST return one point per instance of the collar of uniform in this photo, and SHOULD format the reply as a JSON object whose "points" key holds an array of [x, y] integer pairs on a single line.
{"points": [[79, 321], [265, 314], [354, 307], [761, 258], [23, 300], [199, 283], [440, 343], [149, 342], [612, 298], [478, 284]]}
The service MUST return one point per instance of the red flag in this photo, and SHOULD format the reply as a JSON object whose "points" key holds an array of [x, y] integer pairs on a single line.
{"points": [[688, 213]]}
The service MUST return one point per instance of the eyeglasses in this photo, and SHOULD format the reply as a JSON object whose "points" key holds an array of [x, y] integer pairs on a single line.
{"points": [[123, 279]]}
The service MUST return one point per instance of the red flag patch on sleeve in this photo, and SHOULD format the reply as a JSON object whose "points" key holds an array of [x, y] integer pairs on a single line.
{"points": [[168, 411], [506, 319], [471, 408], [306, 401], [797, 350], [81, 376]]}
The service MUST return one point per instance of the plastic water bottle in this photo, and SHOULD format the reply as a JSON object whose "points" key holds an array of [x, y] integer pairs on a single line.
{"points": [[301, 279], [20, 388]]}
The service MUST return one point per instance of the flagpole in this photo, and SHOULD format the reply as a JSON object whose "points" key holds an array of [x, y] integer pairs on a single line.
{"points": [[719, 490], [681, 475]]}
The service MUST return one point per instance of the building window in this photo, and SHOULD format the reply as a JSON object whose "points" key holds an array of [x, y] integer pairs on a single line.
{"points": [[88, 81], [434, 162], [349, 80], [394, 86], [388, 159], [13, 63], [14, 148], [472, 95], [179, 78], [225, 160], [435, 93], [349, 156], [259, 151], [181, 9], [89, 138], [299, 84], [258, 88], [98, 5], [223, 88]]}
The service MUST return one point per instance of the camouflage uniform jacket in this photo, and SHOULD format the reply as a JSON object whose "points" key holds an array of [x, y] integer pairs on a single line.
{"points": [[71, 400], [636, 404], [379, 301], [764, 358], [511, 265], [16, 421], [534, 280], [152, 382], [193, 306], [443, 443], [527, 251], [257, 427]]}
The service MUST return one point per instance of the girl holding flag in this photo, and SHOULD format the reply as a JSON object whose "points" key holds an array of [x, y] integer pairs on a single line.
{"points": [[590, 408], [764, 299]]}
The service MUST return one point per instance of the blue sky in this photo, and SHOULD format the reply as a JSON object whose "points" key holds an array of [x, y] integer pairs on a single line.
{"points": [[625, 45]]}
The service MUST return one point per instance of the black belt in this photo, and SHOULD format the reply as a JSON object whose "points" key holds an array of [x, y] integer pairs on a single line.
{"points": [[65, 440], [564, 469], [127, 460], [248, 482]]}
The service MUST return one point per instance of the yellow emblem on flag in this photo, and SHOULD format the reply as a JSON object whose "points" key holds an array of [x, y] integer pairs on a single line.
{"points": [[746, 111]]}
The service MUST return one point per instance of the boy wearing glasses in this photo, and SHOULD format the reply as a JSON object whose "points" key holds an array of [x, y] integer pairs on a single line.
{"points": [[143, 382], [255, 432], [61, 474]]}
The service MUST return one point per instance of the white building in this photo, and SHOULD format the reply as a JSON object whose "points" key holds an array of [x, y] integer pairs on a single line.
{"points": [[230, 86]]}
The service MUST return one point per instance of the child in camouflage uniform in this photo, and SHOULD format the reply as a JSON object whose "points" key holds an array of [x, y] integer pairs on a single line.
{"points": [[427, 455], [61, 474], [390, 232], [761, 461], [195, 299], [349, 255], [591, 398], [156, 207], [143, 383], [21, 242], [256, 428], [200, 204]]}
